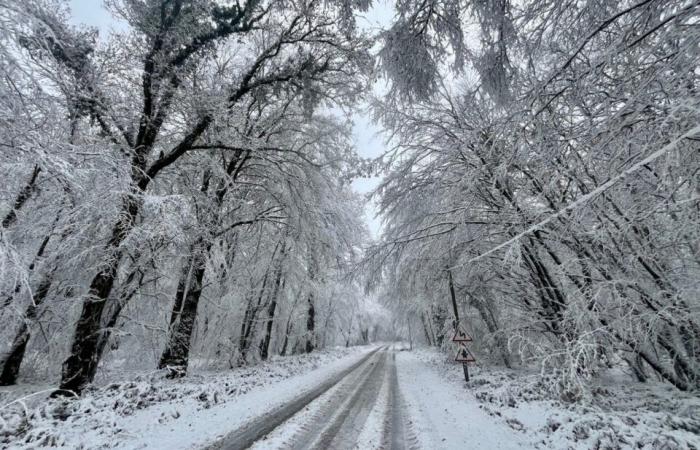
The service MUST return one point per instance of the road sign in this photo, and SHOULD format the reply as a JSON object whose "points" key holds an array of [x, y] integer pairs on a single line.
{"points": [[464, 355], [461, 335]]}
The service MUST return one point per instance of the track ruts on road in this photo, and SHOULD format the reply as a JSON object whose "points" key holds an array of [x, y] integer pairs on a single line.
{"points": [[259, 427], [345, 412], [395, 435]]}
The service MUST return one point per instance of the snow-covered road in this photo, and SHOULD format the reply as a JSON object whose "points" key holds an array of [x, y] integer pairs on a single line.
{"points": [[390, 400], [358, 398], [355, 409]]}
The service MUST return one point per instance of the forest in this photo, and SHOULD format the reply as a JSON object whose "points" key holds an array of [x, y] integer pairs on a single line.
{"points": [[177, 195]]}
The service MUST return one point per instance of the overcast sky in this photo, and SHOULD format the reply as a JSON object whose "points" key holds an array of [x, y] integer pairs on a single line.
{"points": [[367, 139]]}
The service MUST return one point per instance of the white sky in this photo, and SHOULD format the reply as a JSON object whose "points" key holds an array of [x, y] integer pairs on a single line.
{"points": [[367, 139]]}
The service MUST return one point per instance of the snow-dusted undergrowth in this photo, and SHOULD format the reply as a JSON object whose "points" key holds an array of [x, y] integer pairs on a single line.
{"points": [[619, 414], [97, 419]]}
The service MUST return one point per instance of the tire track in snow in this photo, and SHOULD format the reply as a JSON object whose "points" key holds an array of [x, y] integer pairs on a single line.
{"points": [[397, 430], [258, 428], [303, 427], [352, 407], [378, 424]]}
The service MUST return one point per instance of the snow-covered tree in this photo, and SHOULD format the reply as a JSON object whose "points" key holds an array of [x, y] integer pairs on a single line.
{"points": [[179, 142], [553, 176]]}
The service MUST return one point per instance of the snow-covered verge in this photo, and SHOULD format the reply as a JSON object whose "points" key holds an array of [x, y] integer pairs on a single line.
{"points": [[619, 414], [150, 411], [441, 414]]}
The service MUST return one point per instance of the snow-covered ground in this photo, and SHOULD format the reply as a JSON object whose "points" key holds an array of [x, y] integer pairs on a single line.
{"points": [[430, 407], [442, 414], [622, 414], [152, 412]]}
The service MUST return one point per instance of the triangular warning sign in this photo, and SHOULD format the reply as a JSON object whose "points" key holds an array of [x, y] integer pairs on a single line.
{"points": [[464, 355], [461, 336]]}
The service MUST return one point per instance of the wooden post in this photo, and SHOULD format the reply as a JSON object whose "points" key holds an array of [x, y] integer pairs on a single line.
{"points": [[455, 310]]}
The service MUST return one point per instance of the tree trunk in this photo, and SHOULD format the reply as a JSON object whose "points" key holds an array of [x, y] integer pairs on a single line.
{"points": [[283, 352], [428, 337], [310, 326], [439, 320], [184, 314], [22, 197], [265, 345], [637, 365], [290, 324], [250, 316], [489, 319], [39, 254], [115, 307], [271, 308], [81, 365], [13, 360]]}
